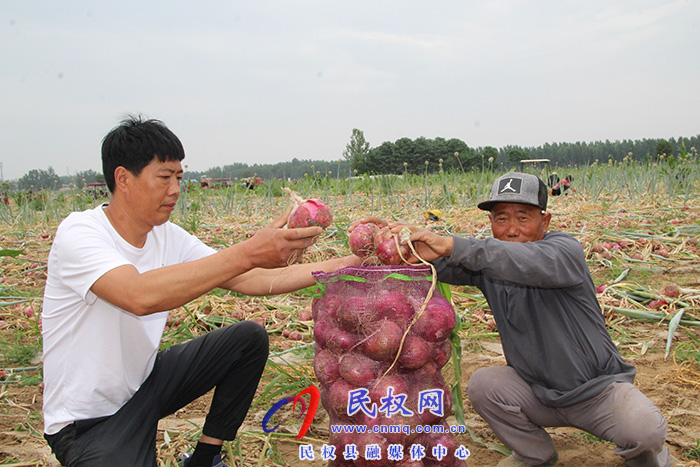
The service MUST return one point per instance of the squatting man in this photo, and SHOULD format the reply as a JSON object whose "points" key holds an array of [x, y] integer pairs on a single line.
{"points": [[113, 273], [562, 366]]}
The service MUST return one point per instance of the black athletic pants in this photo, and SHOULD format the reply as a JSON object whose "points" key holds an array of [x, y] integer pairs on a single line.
{"points": [[231, 359]]}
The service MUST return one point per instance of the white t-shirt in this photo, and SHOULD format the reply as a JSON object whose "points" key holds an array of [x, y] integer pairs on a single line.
{"points": [[96, 355]]}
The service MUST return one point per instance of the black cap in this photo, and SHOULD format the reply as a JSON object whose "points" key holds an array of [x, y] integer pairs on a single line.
{"points": [[516, 187]]}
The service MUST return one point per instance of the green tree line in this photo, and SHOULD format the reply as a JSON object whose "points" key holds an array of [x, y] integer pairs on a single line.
{"points": [[416, 156], [405, 155], [294, 169], [430, 155], [582, 153]]}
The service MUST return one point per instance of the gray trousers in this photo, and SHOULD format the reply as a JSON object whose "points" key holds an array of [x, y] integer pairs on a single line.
{"points": [[620, 414]]}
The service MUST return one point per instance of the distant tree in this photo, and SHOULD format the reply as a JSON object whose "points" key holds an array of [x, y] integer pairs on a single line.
{"points": [[357, 149], [414, 153], [391, 157], [39, 179], [515, 155], [418, 156], [489, 152], [86, 176], [664, 147], [380, 160], [458, 156]]}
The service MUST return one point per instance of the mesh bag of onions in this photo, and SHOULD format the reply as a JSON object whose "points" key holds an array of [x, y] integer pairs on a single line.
{"points": [[381, 337]]}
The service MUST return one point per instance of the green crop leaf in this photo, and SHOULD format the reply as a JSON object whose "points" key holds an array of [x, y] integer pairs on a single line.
{"points": [[11, 253], [675, 321], [621, 276]]}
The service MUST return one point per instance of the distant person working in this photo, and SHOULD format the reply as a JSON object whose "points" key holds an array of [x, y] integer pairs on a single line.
{"points": [[562, 186]]}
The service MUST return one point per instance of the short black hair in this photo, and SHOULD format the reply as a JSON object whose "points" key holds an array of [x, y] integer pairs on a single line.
{"points": [[135, 143]]}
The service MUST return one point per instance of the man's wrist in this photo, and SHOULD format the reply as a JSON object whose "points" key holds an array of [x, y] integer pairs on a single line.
{"points": [[448, 246], [235, 258]]}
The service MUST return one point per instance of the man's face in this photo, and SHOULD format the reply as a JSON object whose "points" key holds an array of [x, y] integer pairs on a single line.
{"points": [[513, 222], [155, 191]]}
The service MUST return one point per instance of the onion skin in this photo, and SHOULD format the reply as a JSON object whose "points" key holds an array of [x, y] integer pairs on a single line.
{"points": [[395, 306], [325, 307], [326, 367], [358, 369], [355, 313], [311, 212], [433, 439], [362, 440], [341, 341], [415, 354], [323, 330], [361, 239], [383, 344], [387, 252], [338, 397], [442, 353], [359, 326], [672, 291], [376, 392], [437, 321], [409, 463]]}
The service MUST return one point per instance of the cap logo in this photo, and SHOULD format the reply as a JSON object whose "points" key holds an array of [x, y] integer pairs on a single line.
{"points": [[510, 185]]}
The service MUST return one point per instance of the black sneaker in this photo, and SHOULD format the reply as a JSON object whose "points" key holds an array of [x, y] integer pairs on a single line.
{"points": [[217, 462]]}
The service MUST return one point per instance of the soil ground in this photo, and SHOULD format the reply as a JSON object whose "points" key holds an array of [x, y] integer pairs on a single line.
{"points": [[661, 380], [673, 384]]}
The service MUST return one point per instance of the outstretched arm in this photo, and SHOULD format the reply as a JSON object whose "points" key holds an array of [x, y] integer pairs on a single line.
{"points": [[173, 286], [287, 279]]}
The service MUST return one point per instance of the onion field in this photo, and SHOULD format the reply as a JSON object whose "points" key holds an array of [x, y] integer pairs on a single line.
{"points": [[639, 224]]}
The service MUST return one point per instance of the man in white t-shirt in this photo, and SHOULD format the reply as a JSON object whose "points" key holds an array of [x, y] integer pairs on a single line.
{"points": [[113, 274]]}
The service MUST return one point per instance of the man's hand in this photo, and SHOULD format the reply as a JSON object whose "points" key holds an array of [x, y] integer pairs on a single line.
{"points": [[429, 245], [274, 246]]}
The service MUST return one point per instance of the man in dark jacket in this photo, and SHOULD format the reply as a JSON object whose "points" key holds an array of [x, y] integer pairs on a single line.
{"points": [[562, 366]]}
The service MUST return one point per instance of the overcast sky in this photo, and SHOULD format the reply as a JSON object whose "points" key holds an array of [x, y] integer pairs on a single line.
{"points": [[265, 81]]}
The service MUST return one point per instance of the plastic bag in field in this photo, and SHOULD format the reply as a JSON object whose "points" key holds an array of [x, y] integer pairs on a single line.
{"points": [[376, 376]]}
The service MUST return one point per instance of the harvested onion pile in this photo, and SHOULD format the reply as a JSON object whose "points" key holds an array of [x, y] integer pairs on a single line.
{"points": [[379, 360], [378, 245]]}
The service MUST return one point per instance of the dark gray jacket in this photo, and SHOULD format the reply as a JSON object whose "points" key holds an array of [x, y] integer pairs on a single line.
{"points": [[543, 300]]}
